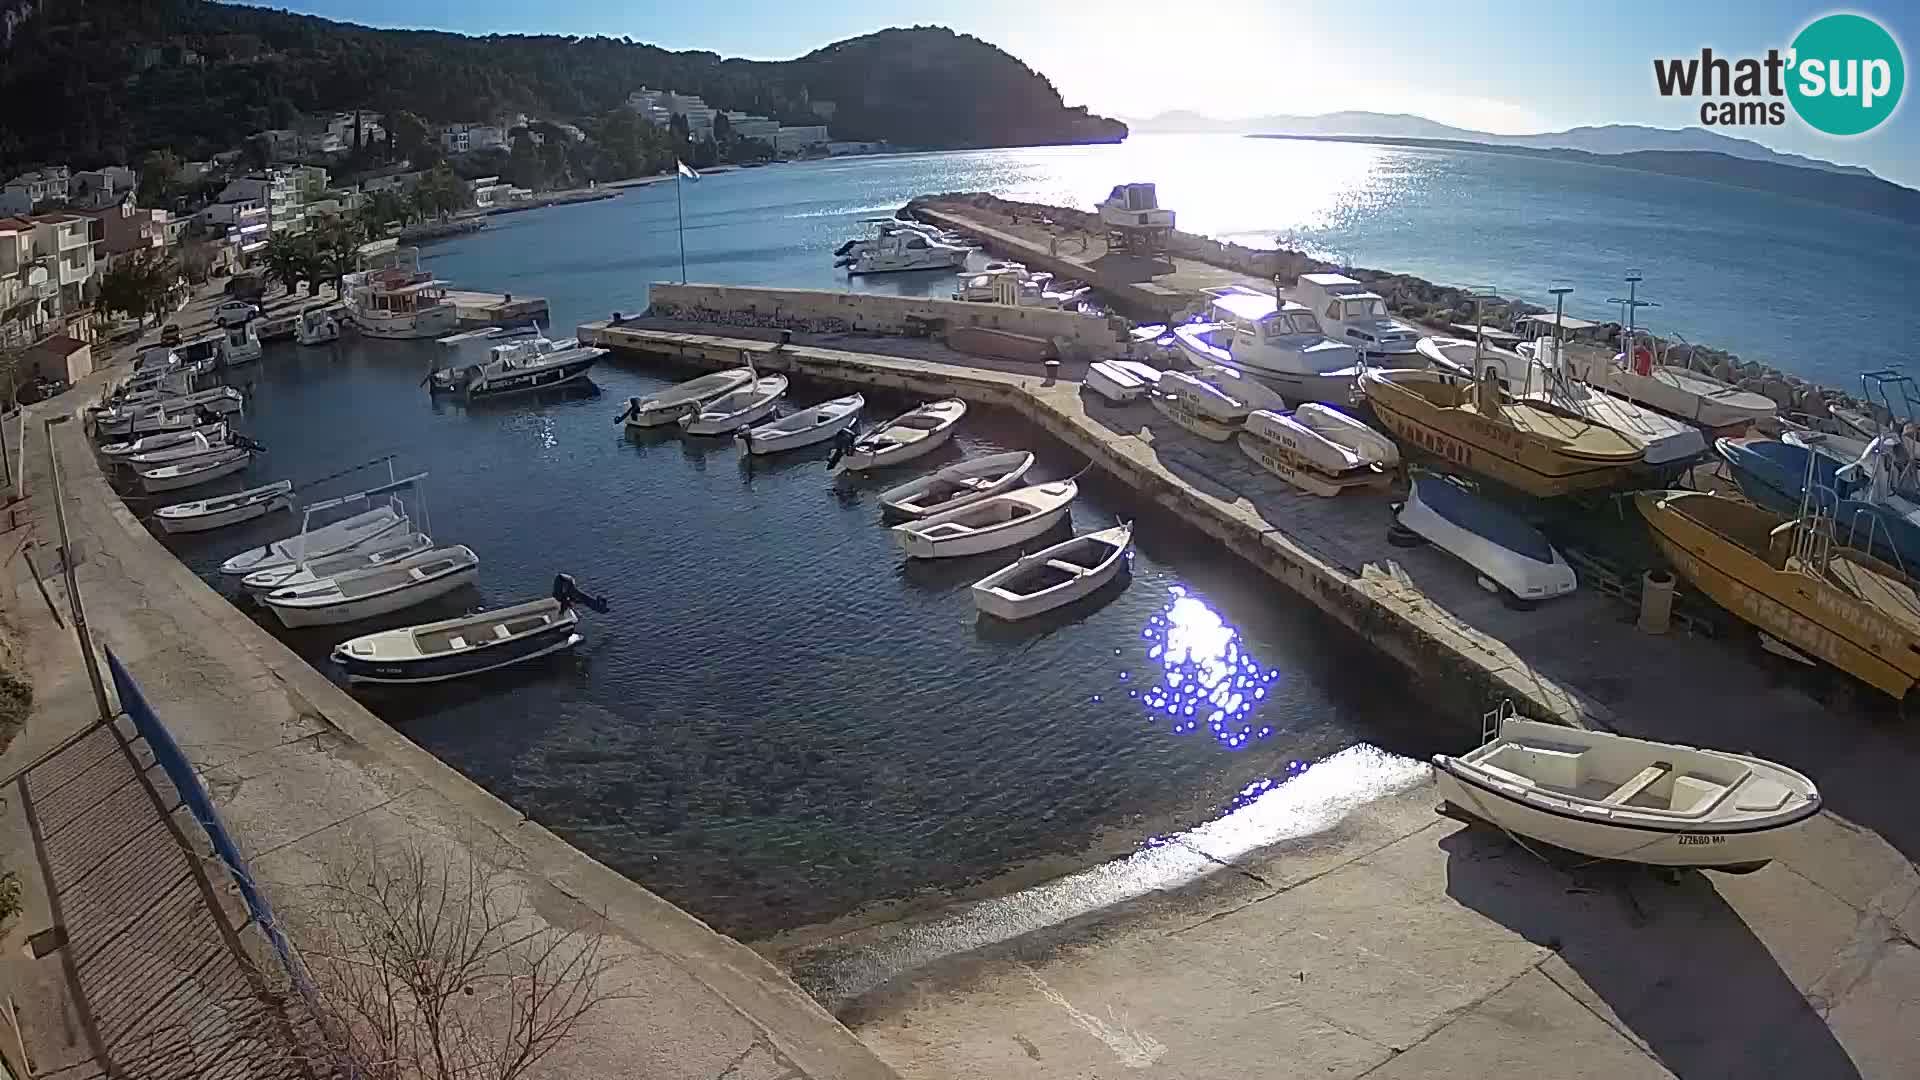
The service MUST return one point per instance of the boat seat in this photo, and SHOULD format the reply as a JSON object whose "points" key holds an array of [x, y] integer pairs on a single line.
{"points": [[1066, 567], [456, 642], [1691, 792], [974, 483], [1510, 777], [1763, 795], [501, 633], [1646, 778]]}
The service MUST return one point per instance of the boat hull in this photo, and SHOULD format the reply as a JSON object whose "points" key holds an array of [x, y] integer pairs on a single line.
{"points": [[434, 322], [247, 511], [1001, 472], [780, 442], [1525, 577], [194, 478], [994, 599], [1276, 459], [667, 407], [1181, 411], [1704, 848], [434, 669], [731, 422], [370, 529], [542, 378], [1678, 392], [895, 455], [367, 607], [919, 546]]}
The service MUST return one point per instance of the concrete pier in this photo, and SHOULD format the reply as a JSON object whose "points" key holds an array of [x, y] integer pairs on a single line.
{"points": [[479, 309]]}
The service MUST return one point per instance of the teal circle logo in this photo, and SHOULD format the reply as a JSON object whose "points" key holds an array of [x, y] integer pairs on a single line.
{"points": [[1847, 74]]}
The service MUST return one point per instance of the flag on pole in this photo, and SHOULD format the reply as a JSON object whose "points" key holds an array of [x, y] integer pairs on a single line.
{"points": [[686, 171]]}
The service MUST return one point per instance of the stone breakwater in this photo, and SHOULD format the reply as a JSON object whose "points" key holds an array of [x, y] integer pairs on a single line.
{"points": [[1410, 297]]}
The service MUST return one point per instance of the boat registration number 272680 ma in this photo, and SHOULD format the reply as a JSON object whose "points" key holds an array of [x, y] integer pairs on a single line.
{"points": [[1691, 839]]}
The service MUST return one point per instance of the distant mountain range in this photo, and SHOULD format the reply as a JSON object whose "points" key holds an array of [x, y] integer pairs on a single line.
{"points": [[1607, 139]]}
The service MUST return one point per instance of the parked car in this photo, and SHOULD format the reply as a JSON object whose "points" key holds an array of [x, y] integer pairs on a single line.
{"points": [[170, 334], [40, 389], [235, 313]]}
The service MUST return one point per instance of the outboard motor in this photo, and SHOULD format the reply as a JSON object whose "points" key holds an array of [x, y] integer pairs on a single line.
{"points": [[244, 443], [632, 409], [843, 444], [569, 594]]}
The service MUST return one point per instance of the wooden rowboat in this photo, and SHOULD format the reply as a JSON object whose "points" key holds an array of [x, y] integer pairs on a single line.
{"points": [[1055, 576], [905, 437], [1002, 521], [960, 484]]}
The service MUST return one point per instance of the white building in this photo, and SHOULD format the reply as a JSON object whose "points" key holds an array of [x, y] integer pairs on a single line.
{"points": [[244, 224], [68, 240], [97, 189], [29, 293], [28, 190], [276, 190], [793, 140], [698, 114], [468, 138], [748, 126]]}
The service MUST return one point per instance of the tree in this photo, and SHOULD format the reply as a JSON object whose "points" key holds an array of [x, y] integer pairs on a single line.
{"points": [[722, 128], [337, 251], [441, 192], [159, 172], [196, 262], [524, 168], [291, 260], [383, 208], [139, 284]]}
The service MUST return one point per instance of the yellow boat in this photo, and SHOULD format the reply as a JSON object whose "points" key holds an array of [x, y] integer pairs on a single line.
{"points": [[1531, 446], [1790, 580]]}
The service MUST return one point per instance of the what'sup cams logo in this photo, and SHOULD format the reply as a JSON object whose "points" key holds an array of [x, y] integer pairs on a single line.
{"points": [[1842, 75]]}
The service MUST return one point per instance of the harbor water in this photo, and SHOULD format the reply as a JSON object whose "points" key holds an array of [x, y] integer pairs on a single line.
{"points": [[782, 721], [1811, 289]]}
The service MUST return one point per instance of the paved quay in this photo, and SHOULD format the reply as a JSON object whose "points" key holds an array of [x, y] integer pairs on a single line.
{"points": [[1395, 943], [304, 777]]}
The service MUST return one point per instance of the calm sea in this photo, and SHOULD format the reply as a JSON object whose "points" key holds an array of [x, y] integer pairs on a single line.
{"points": [[1811, 289]]}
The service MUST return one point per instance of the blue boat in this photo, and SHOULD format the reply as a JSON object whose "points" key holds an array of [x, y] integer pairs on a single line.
{"points": [[1493, 540], [1774, 475]]}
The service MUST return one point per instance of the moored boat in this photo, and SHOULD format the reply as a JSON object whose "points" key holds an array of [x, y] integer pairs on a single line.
{"points": [[240, 345], [535, 363], [147, 444], [387, 548], [171, 414], [1279, 342], [1508, 554], [991, 524], [378, 590], [392, 297], [196, 447], [316, 326], [910, 435], [471, 644], [369, 527], [807, 427], [1055, 576], [1784, 477], [670, 404], [257, 502], [957, 485], [193, 471], [741, 408], [1614, 797]]}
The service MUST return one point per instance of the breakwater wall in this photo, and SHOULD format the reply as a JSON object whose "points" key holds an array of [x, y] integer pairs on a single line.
{"points": [[1074, 335], [1410, 297], [1462, 672]]}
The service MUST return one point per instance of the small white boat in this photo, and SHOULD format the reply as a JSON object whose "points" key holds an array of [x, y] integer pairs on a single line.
{"points": [[905, 437], [147, 444], [189, 517], [1053, 577], [484, 641], [370, 527], [1676, 391], [904, 249], [1613, 797], [1198, 406], [199, 470], [961, 484], [1278, 341], [240, 345], [669, 405], [195, 447], [377, 590], [807, 427], [1325, 438], [1510, 555], [317, 326], [1121, 380], [535, 363], [385, 549], [171, 414], [730, 412], [1000, 521]]}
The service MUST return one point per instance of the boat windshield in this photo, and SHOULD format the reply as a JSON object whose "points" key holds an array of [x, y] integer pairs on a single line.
{"points": [[1371, 307], [1303, 322]]}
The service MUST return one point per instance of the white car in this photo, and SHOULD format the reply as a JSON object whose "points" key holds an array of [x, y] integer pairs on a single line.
{"points": [[235, 313]]}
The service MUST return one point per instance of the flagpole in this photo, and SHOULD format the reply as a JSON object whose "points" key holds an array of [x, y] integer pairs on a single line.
{"points": [[680, 215]]}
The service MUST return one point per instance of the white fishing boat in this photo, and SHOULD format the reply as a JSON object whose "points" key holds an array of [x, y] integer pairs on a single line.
{"points": [[317, 326], [240, 345], [147, 389], [171, 414], [744, 407], [1121, 381], [1319, 449], [393, 298], [258, 502], [1198, 406], [1055, 576], [960, 484], [910, 435], [993, 523], [197, 446], [468, 645], [904, 250], [376, 590], [668, 406], [535, 363], [1511, 556], [1356, 315], [808, 427], [378, 516], [1676, 391], [195, 471], [1280, 342], [389, 547], [1609, 796], [147, 444]]}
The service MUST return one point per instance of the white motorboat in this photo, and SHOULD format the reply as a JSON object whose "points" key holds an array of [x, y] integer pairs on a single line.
{"points": [[846, 253], [317, 326], [1055, 576], [1676, 391], [240, 345], [469, 348], [147, 389], [1010, 284], [742, 408], [1318, 449], [903, 250], [1200, 407], [1281, 343], [374, 526], [1352, 313], [910, 435], [468, 645], [1134, 206], [960, 484], [199, 470], [535, 363], [376, 590], [669, 405], [147, 444], [385, 549], [190, 517], [391, 297], [807, 427], [1510, 555], [195, 447], [1121, 381], [1613, 797], [996, 522]]}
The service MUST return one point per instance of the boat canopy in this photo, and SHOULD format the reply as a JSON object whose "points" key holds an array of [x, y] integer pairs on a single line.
{"points": [[1251, 306]]}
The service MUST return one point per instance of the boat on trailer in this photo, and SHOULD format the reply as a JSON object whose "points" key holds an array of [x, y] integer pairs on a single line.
{"points": [[672, 403], [471, 644], [1199, 406], [910, 435], [991, 524], [1511, 556], [960, 484], [257, 502], [1054, 577], [808, 427], [1632, 800], [376, 590]]}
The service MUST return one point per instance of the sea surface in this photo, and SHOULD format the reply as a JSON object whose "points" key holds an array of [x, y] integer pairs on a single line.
{"points": [[1815, 290]]}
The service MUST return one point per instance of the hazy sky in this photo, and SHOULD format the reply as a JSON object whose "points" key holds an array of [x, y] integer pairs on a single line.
{"points": [[1497, 65]]}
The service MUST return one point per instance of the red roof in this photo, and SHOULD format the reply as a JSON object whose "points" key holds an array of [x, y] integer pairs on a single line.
{"points": [[15, 223]]}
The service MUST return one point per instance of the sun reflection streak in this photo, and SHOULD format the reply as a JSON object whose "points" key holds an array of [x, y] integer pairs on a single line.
{"points": [[1207, 679]]}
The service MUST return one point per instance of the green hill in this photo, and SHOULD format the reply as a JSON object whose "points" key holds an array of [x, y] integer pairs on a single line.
{"points": [[109, 79]]}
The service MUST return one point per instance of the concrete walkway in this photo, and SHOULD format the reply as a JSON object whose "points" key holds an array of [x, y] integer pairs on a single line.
{"points": [[304, 776]]}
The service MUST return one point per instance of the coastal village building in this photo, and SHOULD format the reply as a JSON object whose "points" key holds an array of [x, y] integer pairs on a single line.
{"points": [[467, 138], [122, 229], [98, 189], [748, 126], [794, 140], [24, 193], [46, 272]]}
